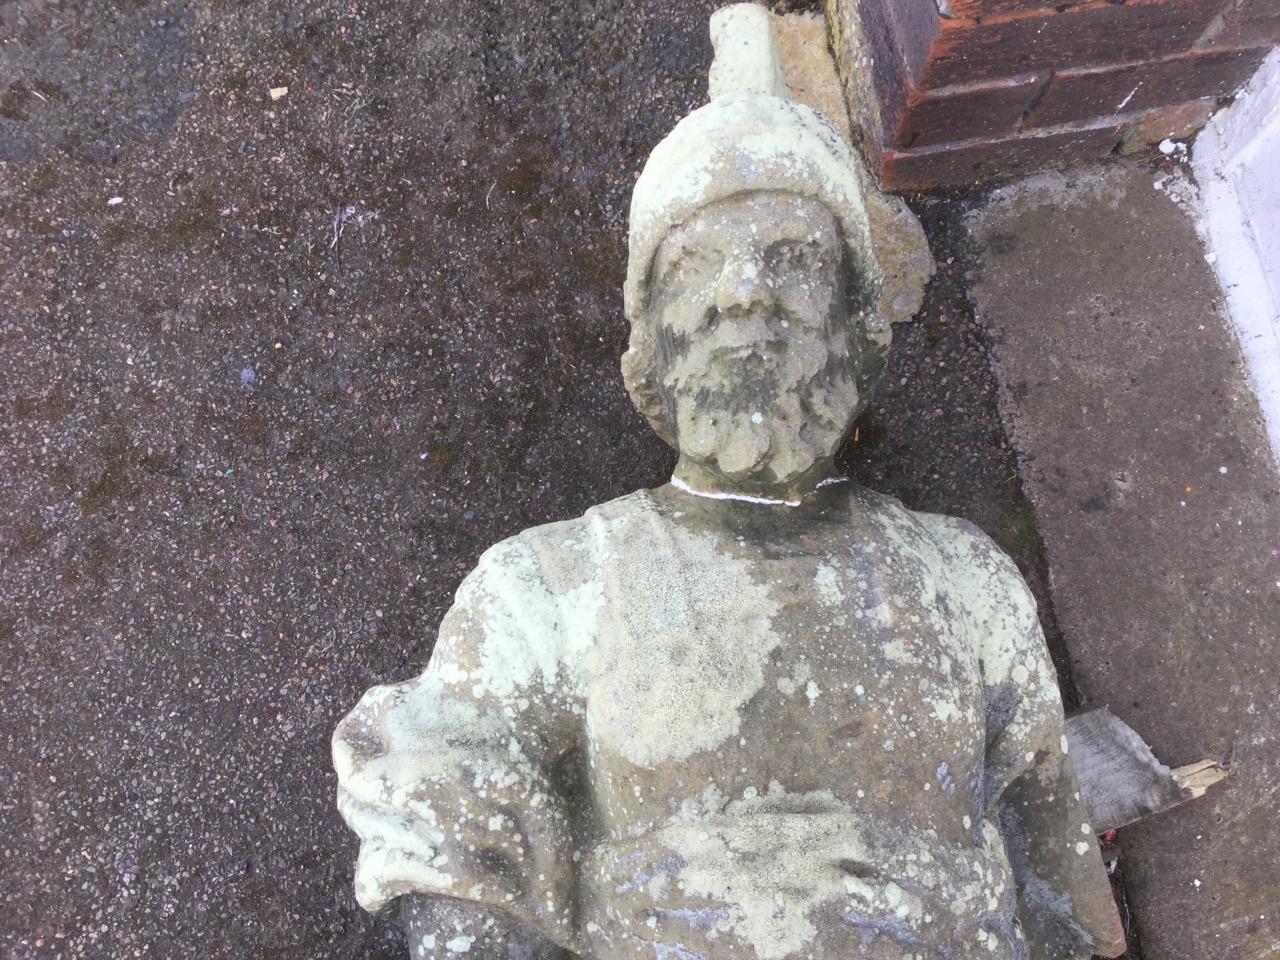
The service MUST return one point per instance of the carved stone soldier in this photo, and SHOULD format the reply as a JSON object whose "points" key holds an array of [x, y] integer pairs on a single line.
{"points": [[759, 712]]}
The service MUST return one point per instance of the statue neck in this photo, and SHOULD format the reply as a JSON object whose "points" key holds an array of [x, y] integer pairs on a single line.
{"points": [[700, 479]]}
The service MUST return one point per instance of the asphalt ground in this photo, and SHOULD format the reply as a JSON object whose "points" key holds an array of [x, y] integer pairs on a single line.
{"points": [[261, 413]]}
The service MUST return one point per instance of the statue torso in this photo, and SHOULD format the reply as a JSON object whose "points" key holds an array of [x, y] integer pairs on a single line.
{"points": [[783, 734], [695, 729]]}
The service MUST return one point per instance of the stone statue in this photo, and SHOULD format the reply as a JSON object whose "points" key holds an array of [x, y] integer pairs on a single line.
{"points": [[759, 712]]}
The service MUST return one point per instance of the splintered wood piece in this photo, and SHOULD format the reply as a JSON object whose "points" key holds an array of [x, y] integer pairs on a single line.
{"points": [[1196, 778], [1120, 778]]}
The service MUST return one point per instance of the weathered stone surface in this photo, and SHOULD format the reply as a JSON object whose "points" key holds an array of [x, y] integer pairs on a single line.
{"points": [[758, 711], [755, 66], [880, 50], [810, 68], [720, 725], [901, 251], [874, 87]]}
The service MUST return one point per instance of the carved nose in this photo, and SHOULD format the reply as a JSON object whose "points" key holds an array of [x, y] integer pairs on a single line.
{"points": [[741, 284]]}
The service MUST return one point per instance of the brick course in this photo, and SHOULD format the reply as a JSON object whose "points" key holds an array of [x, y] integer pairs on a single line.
{"points": [[966, 113], [958, 164], [1104, 91], [982, 9], [1247, 23], [1088, 34], [995, 86]]}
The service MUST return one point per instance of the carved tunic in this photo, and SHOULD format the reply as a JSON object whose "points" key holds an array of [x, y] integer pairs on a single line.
{"points": [[679, 727]]}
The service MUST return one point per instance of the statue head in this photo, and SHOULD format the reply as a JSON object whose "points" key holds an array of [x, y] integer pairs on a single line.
{"points": [[751, 287]]}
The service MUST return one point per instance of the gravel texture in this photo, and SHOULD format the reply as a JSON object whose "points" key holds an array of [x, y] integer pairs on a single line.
{"points": [[260, 414]]}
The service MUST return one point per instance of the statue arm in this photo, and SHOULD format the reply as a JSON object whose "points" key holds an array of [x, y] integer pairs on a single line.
{"points": [[1065, 906], [452, 780], [1030, 793]]}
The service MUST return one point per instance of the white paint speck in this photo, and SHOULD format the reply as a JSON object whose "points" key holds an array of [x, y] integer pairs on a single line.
{"points": [[1121, 105]]}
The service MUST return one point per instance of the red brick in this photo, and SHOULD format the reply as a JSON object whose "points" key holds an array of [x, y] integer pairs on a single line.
{"points": [[951, 165], [1089, 34], [899, 38], [1107, 91], [1247, 23], [915, 25], [965, 113], [981, 9], [1178, 122]]}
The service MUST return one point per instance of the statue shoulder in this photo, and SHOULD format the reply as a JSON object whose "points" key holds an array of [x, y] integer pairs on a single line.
{"points": [[968, 549], [958, 541], [986, 581], [558, 555]]}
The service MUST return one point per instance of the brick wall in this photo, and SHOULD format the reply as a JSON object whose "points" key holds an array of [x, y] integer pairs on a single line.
{"points": [[952, 92]]}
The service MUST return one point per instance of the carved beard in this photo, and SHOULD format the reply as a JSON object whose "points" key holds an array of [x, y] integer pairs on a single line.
{"points": [[766, 412]]}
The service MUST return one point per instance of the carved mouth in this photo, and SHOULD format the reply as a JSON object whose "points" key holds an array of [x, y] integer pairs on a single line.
{"points": [[727, 354]]}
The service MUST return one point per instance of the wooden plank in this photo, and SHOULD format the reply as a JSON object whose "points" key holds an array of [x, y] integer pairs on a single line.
{"points": [[1120, 778]]}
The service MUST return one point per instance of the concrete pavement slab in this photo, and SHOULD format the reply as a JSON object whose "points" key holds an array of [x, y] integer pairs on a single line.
{"points": [[1143, 452]]}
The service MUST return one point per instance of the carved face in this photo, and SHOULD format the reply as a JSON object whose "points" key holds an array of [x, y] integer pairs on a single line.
{"points": [[754, 367]]}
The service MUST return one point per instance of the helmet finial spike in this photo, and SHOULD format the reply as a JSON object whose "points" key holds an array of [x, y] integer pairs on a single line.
{"points": [[747, 59]]}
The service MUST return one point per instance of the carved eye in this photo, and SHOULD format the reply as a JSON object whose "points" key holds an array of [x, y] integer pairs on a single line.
{"points": [[682, 271], [793, 256], [697, 263]]}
